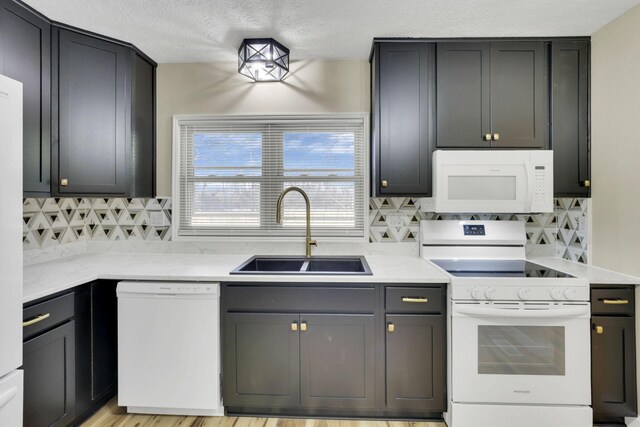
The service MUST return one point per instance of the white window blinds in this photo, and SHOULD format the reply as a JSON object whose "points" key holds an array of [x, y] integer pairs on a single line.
{"points": [[231, 170]]}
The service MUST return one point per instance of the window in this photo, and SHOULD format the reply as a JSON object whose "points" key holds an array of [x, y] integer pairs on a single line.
{"points": [[230, 170]]}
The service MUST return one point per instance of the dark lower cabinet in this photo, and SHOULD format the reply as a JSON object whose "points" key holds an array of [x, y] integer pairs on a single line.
{"points": [[570, 138], [25, 55], [328, 357], [70, 355], [262, 360], [49, 362], [337, 361], [415, 362], [96, 345], [613, 355]]}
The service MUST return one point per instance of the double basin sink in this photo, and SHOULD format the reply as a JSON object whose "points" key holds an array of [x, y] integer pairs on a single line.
{"points": [[327, 265]]}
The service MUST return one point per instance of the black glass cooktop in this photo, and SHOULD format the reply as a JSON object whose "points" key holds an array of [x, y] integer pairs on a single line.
{"points": [[497, 268]]}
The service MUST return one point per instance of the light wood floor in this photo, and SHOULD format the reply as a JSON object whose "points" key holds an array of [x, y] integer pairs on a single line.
{"points": [[111, 415]]}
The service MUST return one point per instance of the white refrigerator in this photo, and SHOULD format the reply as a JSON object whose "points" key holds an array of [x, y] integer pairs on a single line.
{"points": [[11, 379]]}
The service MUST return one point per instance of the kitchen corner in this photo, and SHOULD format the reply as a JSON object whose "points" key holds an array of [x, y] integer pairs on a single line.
{"points": [[240, 213]]}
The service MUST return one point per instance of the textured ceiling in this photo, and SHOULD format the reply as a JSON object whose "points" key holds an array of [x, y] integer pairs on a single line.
{"points": [[211, 30]]}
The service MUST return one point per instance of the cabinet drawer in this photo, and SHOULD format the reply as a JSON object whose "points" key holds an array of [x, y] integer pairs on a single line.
{"points": [[300, 298], [414, 300], [51, 313], [617, 301]]}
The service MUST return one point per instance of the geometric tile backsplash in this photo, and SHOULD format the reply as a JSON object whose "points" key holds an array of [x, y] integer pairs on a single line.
{"points": [[562, 233], [54, 221]]}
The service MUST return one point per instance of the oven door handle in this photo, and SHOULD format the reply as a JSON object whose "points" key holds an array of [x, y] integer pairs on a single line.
{"points": [[575, 312]]}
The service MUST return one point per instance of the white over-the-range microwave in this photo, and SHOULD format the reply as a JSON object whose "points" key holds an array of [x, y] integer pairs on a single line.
{"points": [[515, 181]]}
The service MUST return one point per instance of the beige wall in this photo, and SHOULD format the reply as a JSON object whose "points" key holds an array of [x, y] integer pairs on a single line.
{"points": [[615, 158], [217, 88]]}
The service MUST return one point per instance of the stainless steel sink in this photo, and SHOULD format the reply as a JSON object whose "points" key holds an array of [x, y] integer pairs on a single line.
{"points": [[327, 265]]}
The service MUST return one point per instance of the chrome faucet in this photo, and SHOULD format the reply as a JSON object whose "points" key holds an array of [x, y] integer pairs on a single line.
{"points": [[306, 201]]}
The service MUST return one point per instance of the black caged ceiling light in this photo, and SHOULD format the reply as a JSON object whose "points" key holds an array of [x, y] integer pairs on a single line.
{"points": [[263, 60]]}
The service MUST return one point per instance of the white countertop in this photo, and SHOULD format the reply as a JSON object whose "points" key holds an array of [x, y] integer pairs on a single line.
{"points": [[58, 275], [595, 275], [50, 277]]}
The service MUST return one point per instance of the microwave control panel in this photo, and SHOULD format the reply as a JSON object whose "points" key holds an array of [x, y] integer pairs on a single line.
{"points": [[542, 197]]}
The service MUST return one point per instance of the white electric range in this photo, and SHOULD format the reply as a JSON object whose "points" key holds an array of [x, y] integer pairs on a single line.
{"points": [[518, 332]]}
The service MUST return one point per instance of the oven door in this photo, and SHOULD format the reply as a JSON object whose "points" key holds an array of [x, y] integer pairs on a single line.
{"points": [[532, 353]]}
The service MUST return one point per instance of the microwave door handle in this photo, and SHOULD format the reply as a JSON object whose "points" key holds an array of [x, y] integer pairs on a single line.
{"points": [[529, 171], [576, 312]]}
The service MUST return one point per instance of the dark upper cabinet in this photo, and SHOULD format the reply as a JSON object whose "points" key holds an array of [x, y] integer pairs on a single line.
{"points": [[570, 117], [403, 98], [613, 355], [492, 95], [25, 55], [103, 117], [415, 363], [463, 106], [337, 361], [90, 141]]}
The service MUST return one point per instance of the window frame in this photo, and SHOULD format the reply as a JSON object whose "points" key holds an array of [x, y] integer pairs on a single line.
{"points": [[175, 175]]}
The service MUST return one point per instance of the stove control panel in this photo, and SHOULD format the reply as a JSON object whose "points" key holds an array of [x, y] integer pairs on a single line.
{"points": [[518, 292]]}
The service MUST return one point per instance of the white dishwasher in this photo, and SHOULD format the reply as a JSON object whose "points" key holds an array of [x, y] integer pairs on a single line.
{"points": [[169, 348]]}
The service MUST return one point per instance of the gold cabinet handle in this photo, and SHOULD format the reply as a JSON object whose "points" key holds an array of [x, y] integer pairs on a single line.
{"points": [[38, 318], [415, 299], [615, 301], [496, 137], [391, 327], [303, 326], [599, 329], [586, 183], [294, 326], [487, 137], [384, 183], [64, 182]]}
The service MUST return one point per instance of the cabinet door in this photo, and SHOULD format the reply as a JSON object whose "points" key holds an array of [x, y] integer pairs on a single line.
{"points": [[463, 95], [104, 339], [337, 361], [96, 344], [90, 76], [519, 100], [25, 55], [570, 118], [415, 361], [406, 101], [261, 360], [613, 367], [49, 378]]}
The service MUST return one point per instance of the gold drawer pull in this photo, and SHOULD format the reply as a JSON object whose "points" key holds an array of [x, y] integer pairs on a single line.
{"points": [[391, 327], [384, 183], [38, 318], [487, 137], [599, 329], [294, 326], [64, 182], [496, 137], [303, 326], [414, 299], [586, 183], [615, 301]]}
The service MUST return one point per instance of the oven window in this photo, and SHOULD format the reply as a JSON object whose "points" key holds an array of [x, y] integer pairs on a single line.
{"points": [[521, 350]]}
